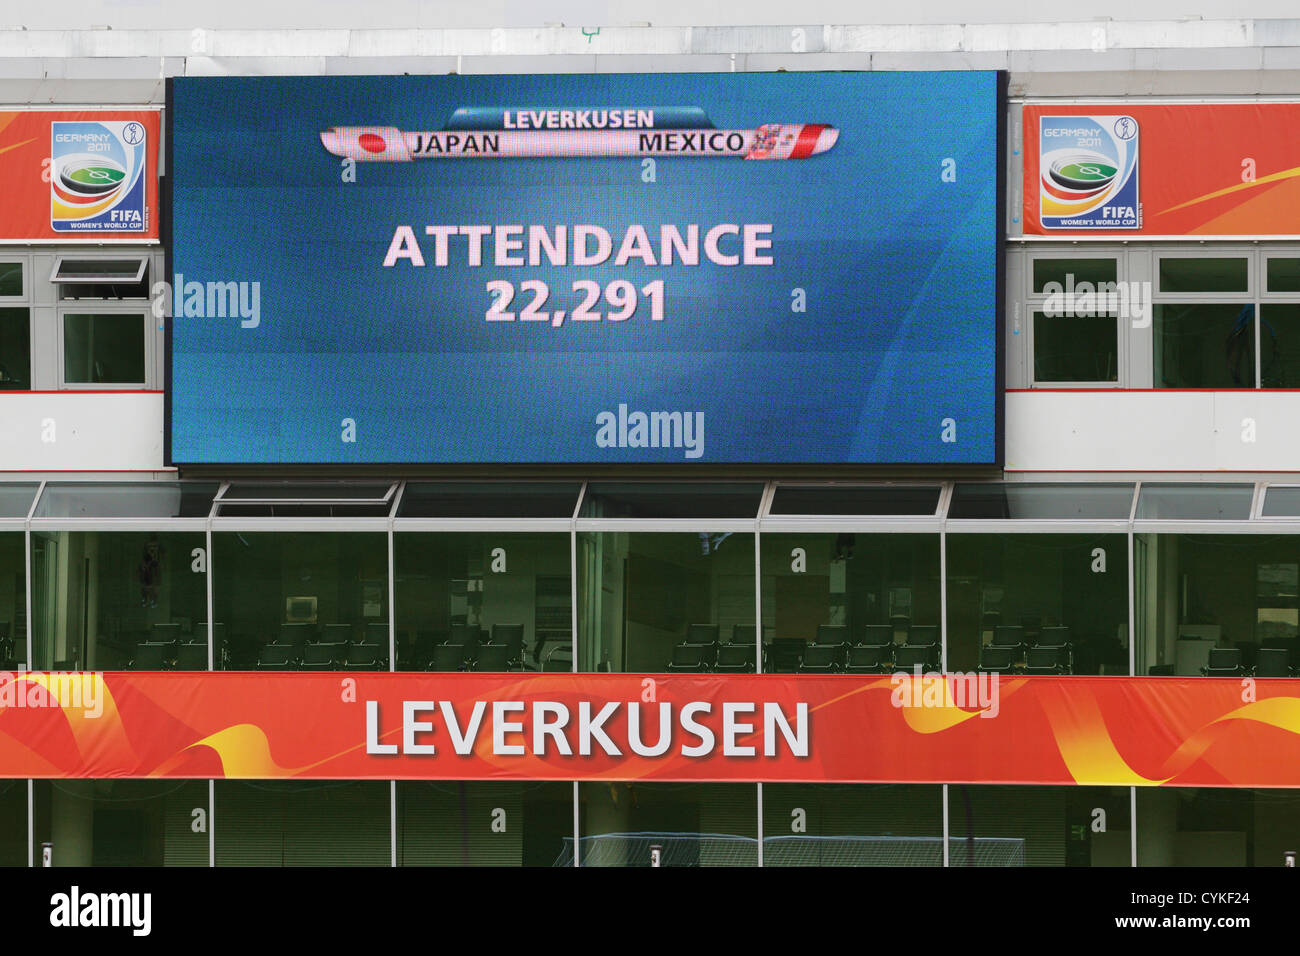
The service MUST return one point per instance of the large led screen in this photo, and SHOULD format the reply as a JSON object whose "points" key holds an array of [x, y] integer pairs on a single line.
{"points": [[688, 268]]}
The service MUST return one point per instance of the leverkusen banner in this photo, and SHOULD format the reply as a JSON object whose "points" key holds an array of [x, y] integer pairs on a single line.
{"points": [[84, 174], [1104, 731], [1162, 170]]}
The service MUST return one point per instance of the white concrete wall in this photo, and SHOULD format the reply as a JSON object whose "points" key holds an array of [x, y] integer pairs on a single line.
{"points": [[98, 431]]}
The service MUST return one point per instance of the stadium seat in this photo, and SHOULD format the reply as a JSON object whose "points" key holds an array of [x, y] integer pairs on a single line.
{"points": [[1056, 636], [735, 659], [1224, 662], [468, 636], [822, 659], [908, 657], [150, 657], [996, 660], [923, 635], [293, 635], [1045, 660], [689, 658], [447, 657], [494, 658], [276, 657], [1272, 662], [511, 637], [868, 659], [364, 657], [833, 635], [337, 634], [559, 658], [701, 634], [743, 634], [192, 657], [785, 655], [877, 635], [1009, 635], [323, 657]]}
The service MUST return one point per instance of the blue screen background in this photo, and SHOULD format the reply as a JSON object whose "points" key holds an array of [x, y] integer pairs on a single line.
{"points": [[898, 268]]}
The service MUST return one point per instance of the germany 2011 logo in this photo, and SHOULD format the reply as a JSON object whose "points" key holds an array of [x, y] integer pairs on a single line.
{"points": [[1088, 172], [98, 177]]}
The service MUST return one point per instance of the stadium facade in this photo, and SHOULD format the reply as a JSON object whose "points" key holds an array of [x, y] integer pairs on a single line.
{"points": [[1119, 538]]}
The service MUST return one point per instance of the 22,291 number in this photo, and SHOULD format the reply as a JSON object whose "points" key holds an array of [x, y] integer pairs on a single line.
{"points": [[620, 294]]}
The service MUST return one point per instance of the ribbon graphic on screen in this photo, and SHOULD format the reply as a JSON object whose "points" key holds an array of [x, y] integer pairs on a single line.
{"points": [[579, 133]]}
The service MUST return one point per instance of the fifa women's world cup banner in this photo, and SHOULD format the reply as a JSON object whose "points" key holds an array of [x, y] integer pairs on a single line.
{"points": [[1202, 169], [88, 174], [1101, 731]]}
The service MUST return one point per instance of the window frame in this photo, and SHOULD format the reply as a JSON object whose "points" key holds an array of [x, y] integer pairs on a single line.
{"points": [[1034, 303], [97, 307]]}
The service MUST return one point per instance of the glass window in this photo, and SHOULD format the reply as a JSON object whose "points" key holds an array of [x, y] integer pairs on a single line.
{"points": [[1279, 333], [483, 601], [1047, 501], [110, 600], [1071, 272], [120, 822], [294, 823], [685, 824], [1281, 502], [642, 594], [11, 279], [16, 498], [1076, 349], [672, 500], [1283, 275], [1204, 345], [312, 600], [922, 500], [318, 499], [15, 350], [1220, 604], [842, 590], [145, 499], [103, 348], [852, 825], [454, 823], [102, 278], [1057, 603], [1198, 274], [13, 600], [491, 499], [13, 822], [1216, 826], [1038, 826], [1195, 501]]}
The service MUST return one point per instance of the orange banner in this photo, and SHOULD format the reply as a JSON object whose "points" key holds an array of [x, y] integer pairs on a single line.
{"points": [[84, 174], [1103, 731], [1162, 170]]}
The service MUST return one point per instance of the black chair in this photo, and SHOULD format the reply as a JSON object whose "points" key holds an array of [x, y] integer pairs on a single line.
{"points": [[701, 634], [877, 635], [510, 636], [1045, 660], [822, 659], [832, 635], [996, 660], [907, 657], [492, 657], [558, 659], [743, 634], [868, 659], [689, 658], [293, 635], [447, 657], [376, 632], [1272, 662], [1224, 662], [165, 634], [735, 659], [277, 657], [150, 657], [365, 657], [467, 635], [923, 635], [192, 657], [1055, 636], [1008, 635], [338, 634], [323, 657], [786, 654]]}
